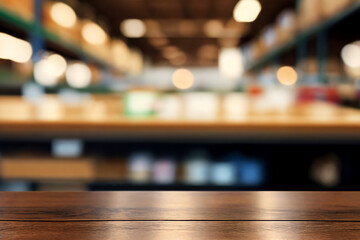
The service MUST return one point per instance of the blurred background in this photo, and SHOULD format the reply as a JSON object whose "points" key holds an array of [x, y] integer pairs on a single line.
{"points": [[179, 95]]}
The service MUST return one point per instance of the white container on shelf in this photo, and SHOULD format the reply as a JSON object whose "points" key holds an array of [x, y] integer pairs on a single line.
{"points": [[197, 169], [223, 174], [274, 100], [235, 105], [140, 168], [201, 106], [164, 171], [67, 148], [50, 109], [280, 98], [169, 107]]}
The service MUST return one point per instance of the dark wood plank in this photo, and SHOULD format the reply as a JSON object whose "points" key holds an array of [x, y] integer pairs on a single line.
{"points": [[180, 230], [293, 128], [337, 206]]}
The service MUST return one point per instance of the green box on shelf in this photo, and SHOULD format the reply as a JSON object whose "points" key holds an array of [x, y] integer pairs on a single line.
{"points": [[140, 103]]}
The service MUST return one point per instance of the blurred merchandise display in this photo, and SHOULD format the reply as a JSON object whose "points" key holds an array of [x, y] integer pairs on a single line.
{"points": [[140, 103], [45, 167], [201, 106], [153, 106], [211, 95], [24, 9], [198, 168], [325, 171], [62, 25], [164, 170], [223, 173], [140, 168], [67, 148]]}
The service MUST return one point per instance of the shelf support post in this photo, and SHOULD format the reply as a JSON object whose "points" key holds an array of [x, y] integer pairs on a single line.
{"points": [[37, 40], [322, 54]]}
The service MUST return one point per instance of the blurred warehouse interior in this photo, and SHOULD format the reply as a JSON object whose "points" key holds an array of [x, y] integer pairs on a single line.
{"points": [[179, 95]]}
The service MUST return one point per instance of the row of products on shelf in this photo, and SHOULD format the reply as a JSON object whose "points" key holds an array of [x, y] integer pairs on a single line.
{"points": [[255, 101], [198, 168], [289, 23], [69, 104]]}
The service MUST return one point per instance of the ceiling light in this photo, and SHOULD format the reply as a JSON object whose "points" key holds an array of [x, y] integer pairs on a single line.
{"points": [[178, 60], [208, 51], [228, 42], [14, 49], [287, 75], [213, 28], [231, 63], [43, 73], [120, 54], [63, 15], [78, 75], [49, 69], [59, 64], [135, 63], [158, 42], [350, 54], [187, 28], [169, 52], [247, 10], [153, 28], [93, 33], [183, 79], [133, 28]]}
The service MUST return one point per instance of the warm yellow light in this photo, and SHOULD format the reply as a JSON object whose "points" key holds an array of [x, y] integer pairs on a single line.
{"points": [[208, 52], [287, 75], [49, 70], [135, 63], [63, 15], [120, 54], [133, 28], [231, 63], [228, 42], [93, 33], [179, 59], [247, 10], [170, 52], [14, 49], [78, 75], [187, 28], [350, 54], [213, 28], [59, 64], [43, 73], [183, 79], [153, 28], [158, 42]]}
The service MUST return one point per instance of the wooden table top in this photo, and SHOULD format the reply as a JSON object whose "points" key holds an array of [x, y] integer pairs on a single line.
{"points": [[180, 215]]}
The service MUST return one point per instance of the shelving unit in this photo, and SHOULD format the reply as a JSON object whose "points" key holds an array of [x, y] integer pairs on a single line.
{"points": [[302, 37], [302, 122], [116, 136], [28, 26]]}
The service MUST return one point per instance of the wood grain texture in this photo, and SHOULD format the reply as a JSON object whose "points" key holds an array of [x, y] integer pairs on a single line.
{"points": [[279, 206], [149, 129], [180, 230]]}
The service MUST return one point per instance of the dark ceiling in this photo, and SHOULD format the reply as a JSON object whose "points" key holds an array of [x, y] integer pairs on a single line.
{"points": [[170, 14]]}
